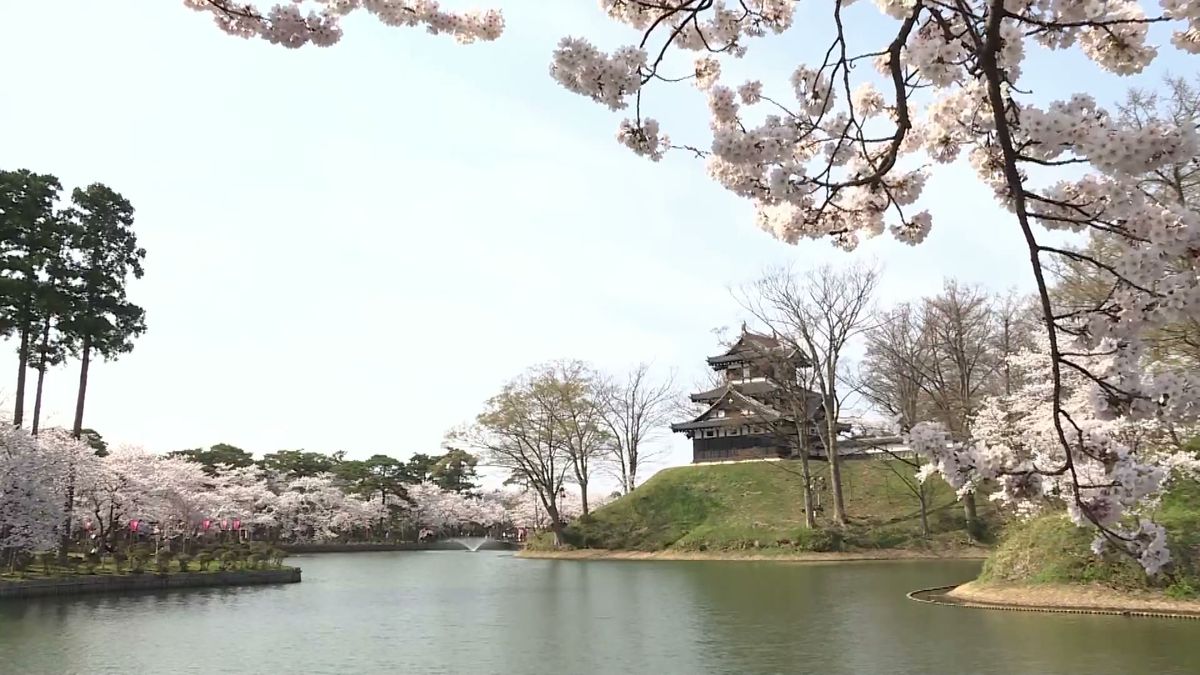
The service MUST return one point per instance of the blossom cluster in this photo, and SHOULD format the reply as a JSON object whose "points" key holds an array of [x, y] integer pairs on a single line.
{"points": [[1114, 475], [290, 26]]}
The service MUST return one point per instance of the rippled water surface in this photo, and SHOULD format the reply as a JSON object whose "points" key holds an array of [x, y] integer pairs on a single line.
{"points": [[487, 612]]}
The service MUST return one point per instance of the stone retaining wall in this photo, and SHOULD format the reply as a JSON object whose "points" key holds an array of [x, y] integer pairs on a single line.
{"points": [[333, 547], [86, 584]]}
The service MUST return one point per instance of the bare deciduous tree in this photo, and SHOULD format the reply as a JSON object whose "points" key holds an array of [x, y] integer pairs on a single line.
{"points": [[634, 408], [579, 413], [892, 378], [817, 314], [959, 330], [892, 375]]}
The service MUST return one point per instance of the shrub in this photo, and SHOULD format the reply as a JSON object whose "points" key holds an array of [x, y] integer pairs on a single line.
{"points": [[229, 559], [46, 559], [119, 559], [1181, 590], [204, 559], [183, 560], [137, 563], [819, 540], [277, 556]]}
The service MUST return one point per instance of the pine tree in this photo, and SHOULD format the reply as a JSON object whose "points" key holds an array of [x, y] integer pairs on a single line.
{"points": [[101, 319], [29, 234]]}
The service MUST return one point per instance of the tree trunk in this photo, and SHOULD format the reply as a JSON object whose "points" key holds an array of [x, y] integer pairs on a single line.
{"points": [[972, 515], [923, 498], [76, 431], [22, 364], [633, 467], [556, 526], [835, 472], [41, 378], [85, 361], [65, 542], [583, 487], [810, 520]]}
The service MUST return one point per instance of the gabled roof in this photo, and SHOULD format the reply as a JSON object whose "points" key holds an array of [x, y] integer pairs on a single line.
{"points": [[747, 388], [760, 412], [749, 347]]}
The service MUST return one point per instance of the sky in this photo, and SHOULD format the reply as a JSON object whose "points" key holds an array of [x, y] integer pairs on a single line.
{"points": [[352, 248]]}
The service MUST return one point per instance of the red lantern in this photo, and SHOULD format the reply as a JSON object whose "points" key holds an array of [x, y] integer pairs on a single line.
{"points": [[237, 524], [224, 524], [133, 526], [207, 524]]}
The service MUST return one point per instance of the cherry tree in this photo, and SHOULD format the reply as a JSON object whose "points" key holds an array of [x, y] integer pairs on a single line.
{"points": [[114, 492], [1139, 457], [244, 495], [838, 156], [838, 161], [439, 509], [131, 483], [313, 508], [34, 473]]}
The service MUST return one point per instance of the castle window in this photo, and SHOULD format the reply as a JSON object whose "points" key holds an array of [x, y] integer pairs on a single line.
{"points": [[709, 433]]}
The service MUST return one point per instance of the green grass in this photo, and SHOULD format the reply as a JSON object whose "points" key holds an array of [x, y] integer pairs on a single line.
{"points": [[759, 505], [1052, 550]]}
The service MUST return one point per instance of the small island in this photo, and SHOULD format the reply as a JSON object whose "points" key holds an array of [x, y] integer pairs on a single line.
{"points": [[138, 568]]}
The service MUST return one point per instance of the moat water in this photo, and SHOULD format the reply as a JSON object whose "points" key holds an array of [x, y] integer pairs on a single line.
{"points": [[488, 612]]}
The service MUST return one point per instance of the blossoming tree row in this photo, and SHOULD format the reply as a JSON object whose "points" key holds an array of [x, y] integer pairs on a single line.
{"points": [[131, 494]]}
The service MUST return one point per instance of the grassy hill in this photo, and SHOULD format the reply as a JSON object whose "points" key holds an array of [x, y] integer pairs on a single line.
{"points": [[759, 505]]}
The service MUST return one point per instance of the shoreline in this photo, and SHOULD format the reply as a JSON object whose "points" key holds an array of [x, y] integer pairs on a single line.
{"points": [[305, 549], [1059, 597], [745, 556], [88, 584]]}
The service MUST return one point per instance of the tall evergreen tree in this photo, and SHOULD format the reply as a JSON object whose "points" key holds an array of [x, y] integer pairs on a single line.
{"points": [[53, 303], [102, 320], [29, 236]]}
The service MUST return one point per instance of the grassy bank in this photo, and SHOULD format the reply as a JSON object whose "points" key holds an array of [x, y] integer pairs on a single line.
{"points": [[1051, 552], [758, 507]]}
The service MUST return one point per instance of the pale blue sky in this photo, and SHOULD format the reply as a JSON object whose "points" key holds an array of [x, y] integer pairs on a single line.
{"points": [[352, 248]]}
